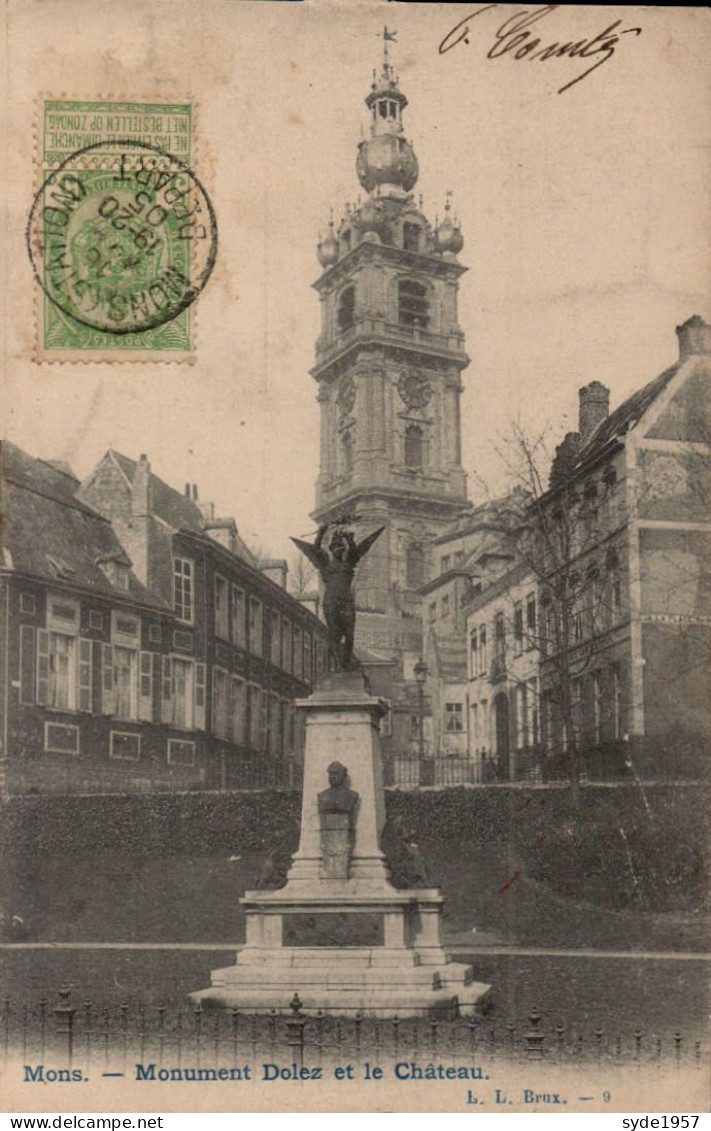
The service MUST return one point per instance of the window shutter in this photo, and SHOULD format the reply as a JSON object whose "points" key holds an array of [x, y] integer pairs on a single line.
{"points": [[42, 666], [85, 655], [145, 687], [167, 691], [200, 693], [28, 663], [107, 679]]}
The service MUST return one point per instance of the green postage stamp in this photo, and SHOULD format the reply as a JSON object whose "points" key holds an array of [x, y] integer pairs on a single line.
{"points": [[122, 236]]}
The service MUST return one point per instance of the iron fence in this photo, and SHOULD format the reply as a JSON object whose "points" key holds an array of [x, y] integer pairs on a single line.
{"points": [[71, 1031]]}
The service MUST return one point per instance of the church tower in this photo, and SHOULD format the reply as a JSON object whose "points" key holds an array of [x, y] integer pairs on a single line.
{"points": [[388, 365]]}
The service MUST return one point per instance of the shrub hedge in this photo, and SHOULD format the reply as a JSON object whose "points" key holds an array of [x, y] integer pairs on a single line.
{"points": [[627, 847]]}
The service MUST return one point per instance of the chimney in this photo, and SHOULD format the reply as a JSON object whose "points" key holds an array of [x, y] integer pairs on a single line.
{"points": [[222, 530], [195, 493], [564, 461], [187, 490], [694, 337], [277, 569], [141, 489], [594, 408]]}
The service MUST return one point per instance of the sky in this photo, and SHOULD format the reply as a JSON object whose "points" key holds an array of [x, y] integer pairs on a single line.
{"points": [[585, 216]]}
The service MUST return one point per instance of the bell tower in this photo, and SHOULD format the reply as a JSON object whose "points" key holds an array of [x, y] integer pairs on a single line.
{"points": [[388, 365]]}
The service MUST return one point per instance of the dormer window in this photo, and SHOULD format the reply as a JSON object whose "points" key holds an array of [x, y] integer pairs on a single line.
{"points": [[115, 571]]}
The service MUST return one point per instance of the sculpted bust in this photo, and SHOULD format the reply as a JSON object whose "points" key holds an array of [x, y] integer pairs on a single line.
{"points": [[337, 810]]}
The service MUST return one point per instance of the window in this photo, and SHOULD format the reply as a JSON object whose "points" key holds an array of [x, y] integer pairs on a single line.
{"points": [[499, 642], [346, 305], [239, 618], [482, 650], [61, 739], [458, 557], [547, 714], [256, 627], [616, 701], [274, 733], [61, 667], [221, 610], [597, 705], [415, 565], [411, 237], [287, 659], [155, 633], [532, 702], [255, 717], [414, 447], [181, 753], [182, 689], [125, 746], [298, 654], [576, 708], [445, 606], [433, 612], [183, 640], [521, 716], [308, 657], [518, 628], [96, 620], [275, 642], [220, 703], [238, 710], [27, 603], [126, 682], [473, 651], [347, 450], [184, 589], [531, 619], [446, 562], [454, 718], [413, 306], [475, 726]]}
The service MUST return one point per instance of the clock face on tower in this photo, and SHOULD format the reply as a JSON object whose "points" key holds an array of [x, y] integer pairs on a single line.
{"points": [[414, 389]]}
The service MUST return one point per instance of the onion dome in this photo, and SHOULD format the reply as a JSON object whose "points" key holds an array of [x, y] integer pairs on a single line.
{"points": [[448, 236], [386, 159], [327, 249]]}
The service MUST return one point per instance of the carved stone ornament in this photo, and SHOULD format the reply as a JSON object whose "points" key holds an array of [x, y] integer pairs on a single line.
{"points": [[346, 395], [414, 389]]}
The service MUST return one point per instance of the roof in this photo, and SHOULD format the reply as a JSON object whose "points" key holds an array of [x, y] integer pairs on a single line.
{"points": [[48, 533], [176, 509], [619, 422]]}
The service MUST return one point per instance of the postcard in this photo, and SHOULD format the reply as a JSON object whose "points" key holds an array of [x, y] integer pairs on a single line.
{"points": [[356, 518]]}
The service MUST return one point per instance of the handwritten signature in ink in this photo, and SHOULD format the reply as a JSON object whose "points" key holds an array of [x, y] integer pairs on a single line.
{"points": [[515, 37]]}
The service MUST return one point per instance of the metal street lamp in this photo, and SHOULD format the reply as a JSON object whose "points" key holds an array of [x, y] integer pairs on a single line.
{"points": [[421, 672]]}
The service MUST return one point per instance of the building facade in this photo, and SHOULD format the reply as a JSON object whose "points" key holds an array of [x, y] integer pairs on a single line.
{"points": [[144, 648]]}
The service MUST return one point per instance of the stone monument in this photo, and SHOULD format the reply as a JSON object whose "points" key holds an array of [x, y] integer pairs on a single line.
{"points": [[338, 933]]}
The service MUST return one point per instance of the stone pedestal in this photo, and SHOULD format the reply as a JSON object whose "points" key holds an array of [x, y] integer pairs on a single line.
{"points": [[344, 943]]}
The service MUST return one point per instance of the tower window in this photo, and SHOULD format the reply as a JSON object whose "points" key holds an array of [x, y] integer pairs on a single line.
{"points": [[413, 306], [413, 447], [346, 308], [411, 237], [383, 107], [415, 566], [347, 444]]}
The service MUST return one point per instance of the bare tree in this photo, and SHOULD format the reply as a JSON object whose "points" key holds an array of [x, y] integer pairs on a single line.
{"points": [[551, 529], [302, 576]]}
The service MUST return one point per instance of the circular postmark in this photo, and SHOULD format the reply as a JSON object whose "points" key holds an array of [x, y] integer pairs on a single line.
{"points": [[122, 236]]}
